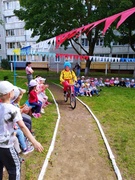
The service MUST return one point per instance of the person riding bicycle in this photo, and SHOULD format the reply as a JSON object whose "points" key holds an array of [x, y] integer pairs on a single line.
{"points": [[67, 76]]}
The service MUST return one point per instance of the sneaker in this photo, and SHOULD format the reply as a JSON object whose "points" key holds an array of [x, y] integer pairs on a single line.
{"points": [[28, 150], [42, 111], [29, 144], [35, 115], [38, 115]]}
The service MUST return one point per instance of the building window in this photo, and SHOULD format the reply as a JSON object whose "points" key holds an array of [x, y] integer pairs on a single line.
{"points": [[18, 45], [84, 42], [100, 42], [0, 46], [8, 5], [19, 32], [15, 32], [11, 45], [10, 32], [57, 59], [10, 58], [131, 55], [12, 19]]}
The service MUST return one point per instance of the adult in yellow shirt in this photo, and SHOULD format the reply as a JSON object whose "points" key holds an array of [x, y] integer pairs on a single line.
{"points": [[67, 76]]}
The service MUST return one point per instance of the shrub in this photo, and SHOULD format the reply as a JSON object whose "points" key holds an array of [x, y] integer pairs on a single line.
{"points": [[5, 64]]}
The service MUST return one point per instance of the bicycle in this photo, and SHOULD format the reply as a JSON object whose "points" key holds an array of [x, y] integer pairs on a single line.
{"points": [[70, 94]]}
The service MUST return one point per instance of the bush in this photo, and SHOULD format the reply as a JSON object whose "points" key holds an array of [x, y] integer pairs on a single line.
{"points": [[5, 64]]}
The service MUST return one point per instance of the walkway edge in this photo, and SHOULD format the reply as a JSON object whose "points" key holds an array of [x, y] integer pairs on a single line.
{"points": [[51, 148]]}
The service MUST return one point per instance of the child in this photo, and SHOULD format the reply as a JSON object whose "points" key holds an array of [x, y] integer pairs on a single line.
{"points": [[94, 89], [96, 82], [33, 99], [9, 115], [127, 83], [107, 82], [116, 81], [132, 84], [101, 83], [76, 88], [122, 82], [67, 77], [112, 81], [82, 79], [41, 88], [18, 94], [87, 90], [82, 89]]}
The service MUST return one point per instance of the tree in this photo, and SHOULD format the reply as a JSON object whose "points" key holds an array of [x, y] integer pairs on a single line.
{"points": [[51, 18]]}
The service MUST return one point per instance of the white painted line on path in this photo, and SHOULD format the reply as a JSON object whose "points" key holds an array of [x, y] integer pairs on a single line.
{"points": [[45, 164]]}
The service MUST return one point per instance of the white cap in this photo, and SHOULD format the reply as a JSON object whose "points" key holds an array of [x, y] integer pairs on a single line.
{"points": [[40, 79], [17, 91], [5, 87], [33, 83], [82, 84]]}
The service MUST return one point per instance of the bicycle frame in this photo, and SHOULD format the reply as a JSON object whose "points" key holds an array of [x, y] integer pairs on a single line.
{"points": [[70, 94]]}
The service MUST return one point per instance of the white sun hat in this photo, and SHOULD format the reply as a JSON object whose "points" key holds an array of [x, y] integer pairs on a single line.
{"points": [[33, 83], [17, 92], [5, 87]]}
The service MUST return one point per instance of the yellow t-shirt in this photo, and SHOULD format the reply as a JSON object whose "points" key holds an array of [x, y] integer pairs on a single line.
{"points": [[68, 75]]}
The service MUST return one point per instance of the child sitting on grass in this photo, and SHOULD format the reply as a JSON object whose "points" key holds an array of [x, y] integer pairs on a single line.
{"points": [[33, 99], [18, 94], [41, 92]]}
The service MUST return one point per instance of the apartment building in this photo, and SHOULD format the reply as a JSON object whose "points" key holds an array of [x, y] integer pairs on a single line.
{"points": [[2, 36], [116, 50], [13, 33]]}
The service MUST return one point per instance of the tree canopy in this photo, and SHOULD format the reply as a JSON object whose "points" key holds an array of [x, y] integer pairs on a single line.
{"points": [[51, 18]]}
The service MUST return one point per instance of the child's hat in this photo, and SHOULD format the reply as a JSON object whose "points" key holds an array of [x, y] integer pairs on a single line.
{"points": [[33, 83], [5, 87], [42, 79], [17, 91], [67, 63]]}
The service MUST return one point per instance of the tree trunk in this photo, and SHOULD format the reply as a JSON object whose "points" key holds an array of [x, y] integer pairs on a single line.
{"points": [[92, 41], [87, 68]]}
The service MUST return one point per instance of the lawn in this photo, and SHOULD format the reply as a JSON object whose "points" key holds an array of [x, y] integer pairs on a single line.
{"points": [[115, 110]]}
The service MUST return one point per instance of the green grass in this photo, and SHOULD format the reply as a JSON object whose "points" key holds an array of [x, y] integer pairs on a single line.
{"points": [[115, 109], [43, 127]]}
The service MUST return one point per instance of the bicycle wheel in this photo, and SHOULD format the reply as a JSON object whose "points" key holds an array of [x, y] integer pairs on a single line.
{"points": [[72, 101]]}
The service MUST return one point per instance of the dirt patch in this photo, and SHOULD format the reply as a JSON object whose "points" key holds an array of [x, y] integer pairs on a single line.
{"points": [[79, 152]]}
